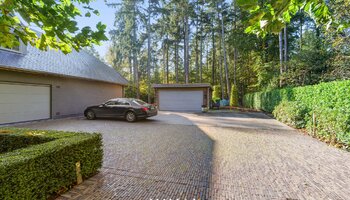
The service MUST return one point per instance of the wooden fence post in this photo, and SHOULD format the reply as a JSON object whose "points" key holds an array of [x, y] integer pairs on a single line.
{"points": [[313, 124], [78, 171]]}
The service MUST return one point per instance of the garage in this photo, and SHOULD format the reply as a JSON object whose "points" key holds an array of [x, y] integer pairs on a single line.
{"points": [[182, 97], [37, 85], [24, 102]]}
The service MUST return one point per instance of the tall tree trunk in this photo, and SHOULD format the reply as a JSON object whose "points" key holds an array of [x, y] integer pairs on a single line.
{"points": [[235, 49], [131, 69], [201, 49], [201, 56], [285, 49], [280, 42], [207, 54], [167, 60], [149, 54], [228, 88], [301, 31], [196, 45], [136, 74], [213, 58], [135, 61], [186, 39], [176, 62], [164, 61], [235, 57], [222, 85], [197, 57]]}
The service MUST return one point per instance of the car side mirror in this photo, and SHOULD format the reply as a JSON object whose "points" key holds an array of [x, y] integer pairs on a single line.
{"points": [[103, 105]]}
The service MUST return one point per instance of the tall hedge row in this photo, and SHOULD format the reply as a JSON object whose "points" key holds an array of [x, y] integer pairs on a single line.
{"points": [[328, 106], [40, 170]]}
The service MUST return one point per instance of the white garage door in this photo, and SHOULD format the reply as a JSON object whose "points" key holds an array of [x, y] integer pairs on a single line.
{"points": [[19, 102], [180, 100]]}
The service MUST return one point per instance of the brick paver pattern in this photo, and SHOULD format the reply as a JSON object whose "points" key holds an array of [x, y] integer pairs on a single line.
{"points": [[210, 157]]}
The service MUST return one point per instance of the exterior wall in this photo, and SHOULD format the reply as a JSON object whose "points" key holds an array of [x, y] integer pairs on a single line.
{"points": [[206, 93], [69, 96]]}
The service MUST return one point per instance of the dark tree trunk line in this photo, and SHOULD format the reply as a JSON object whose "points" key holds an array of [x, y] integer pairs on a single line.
{"points": [[149, 54], [213, 82], [280, 42], [176, 62], [285, 49]]}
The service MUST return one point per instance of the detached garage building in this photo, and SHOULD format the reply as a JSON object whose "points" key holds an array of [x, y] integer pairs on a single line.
{"points": [[38, 85], [182, 97]]}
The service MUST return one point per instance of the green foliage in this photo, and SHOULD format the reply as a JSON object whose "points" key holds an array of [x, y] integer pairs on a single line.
{"points": [[234, 96], [330, 102], [40, 170], [10, 142], [216, 93], [292, 113], [332, 125], [313, 55], [309, 65], [272, 16], [55, 18]]}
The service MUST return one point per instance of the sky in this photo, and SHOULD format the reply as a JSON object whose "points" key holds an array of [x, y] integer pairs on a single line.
{"points": [[106, 17]]}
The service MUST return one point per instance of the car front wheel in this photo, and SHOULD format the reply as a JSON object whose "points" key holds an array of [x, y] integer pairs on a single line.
{"points": [[90, 115], [130, 116]]}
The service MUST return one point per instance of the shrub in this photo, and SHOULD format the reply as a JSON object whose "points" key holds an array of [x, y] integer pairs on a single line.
{"points": [[329, 101], [292, 113], [331, 125], [40, 170], [234, 96], [10, 142], [216, 93]]}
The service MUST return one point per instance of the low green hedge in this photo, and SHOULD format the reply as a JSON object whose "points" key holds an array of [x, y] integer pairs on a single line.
{"points": [[40, 170], [10, 142], [328, 102], [292, 113]]}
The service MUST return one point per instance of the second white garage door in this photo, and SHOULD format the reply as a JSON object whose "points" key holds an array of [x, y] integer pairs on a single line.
{"points": [[174, 100], [21, 102]]}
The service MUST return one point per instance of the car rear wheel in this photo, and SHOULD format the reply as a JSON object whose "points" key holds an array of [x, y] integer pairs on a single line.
{"points": [[90, 115], [130, 116]]}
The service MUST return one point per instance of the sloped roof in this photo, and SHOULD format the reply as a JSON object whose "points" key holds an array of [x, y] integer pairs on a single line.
{"points": [[190, 85], [75, 64]]}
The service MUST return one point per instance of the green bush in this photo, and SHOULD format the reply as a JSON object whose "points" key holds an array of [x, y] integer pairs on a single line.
{"points": [[216, 93], [331, 125], [330, 102], [234, 96], [40, 170], [10, 142], [292, 113]]}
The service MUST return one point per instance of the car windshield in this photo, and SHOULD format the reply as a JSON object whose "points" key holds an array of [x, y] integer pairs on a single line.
{"points": [[140, 102]]}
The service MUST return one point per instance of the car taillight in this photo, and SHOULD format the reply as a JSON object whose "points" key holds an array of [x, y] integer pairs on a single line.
{"points": [[144, 109]]}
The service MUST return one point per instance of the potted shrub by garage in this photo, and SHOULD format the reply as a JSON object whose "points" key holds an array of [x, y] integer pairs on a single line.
{"points": [[204, 108]]}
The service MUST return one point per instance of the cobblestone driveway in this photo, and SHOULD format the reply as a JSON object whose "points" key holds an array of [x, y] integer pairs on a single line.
{"points": [[210, 156]]}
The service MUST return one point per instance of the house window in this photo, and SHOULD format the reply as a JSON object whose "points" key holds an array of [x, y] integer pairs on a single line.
{"points": [[14, 48]]}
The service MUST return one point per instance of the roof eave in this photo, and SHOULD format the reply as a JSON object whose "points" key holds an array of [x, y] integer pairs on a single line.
{"points": [[15, 69]]}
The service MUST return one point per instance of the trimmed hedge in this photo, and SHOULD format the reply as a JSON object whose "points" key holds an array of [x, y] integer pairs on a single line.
{"points": [[10, 142], [41, 170], [292, 113], [328, 102]]}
